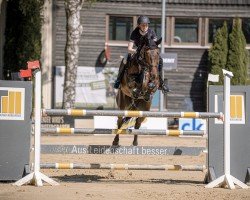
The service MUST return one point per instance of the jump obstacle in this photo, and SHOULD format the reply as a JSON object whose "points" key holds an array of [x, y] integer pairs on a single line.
{"points": [[70, 131], [36, 177], [122, 166], [128, 113]]}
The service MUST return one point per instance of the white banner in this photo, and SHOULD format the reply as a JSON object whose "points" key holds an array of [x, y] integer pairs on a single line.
{"points": [[109, 122]]}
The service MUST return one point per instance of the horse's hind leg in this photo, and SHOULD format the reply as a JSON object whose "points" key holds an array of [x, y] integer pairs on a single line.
{"points": [[116, 139], [138, 122]]}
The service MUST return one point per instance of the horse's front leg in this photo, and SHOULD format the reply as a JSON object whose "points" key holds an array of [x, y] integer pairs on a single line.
{"points": [[138, 122], [116, 139]]}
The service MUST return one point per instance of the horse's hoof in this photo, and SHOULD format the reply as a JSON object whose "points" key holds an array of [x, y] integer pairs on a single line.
{"points": [[135, 143]]}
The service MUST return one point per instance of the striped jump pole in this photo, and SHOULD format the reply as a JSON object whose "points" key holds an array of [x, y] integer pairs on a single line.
{"points": [[128, 113], [69, 131], [122, 166]]}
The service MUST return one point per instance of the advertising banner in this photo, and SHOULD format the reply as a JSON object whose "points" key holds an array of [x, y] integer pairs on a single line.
{"points": [[94, 87], [12, 101], [169, 61]]}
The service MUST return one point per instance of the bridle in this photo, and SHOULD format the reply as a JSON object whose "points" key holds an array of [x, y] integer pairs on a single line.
{"points": [[142, 59]]}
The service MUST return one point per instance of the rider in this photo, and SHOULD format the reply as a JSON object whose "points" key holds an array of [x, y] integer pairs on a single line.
{"points": [[141, 30]]}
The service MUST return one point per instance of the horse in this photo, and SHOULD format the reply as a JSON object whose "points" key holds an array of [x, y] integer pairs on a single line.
{"points": [[139, 83]]}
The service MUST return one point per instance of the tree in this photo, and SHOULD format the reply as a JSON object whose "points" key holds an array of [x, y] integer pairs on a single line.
{"points": [[237, 55], [22, 33], [217, 54], [74, 31]]}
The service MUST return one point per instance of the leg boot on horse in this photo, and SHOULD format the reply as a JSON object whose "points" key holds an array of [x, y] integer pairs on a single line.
{"points": [[120, 122], [116, 139], [138, 123]]}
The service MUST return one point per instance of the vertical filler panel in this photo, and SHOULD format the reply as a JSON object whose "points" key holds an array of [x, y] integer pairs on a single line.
{"points": [[239, 136], [15, 126]]}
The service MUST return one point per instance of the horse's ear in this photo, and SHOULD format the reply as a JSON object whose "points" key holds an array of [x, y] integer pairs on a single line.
{"points": [[158, 41]]}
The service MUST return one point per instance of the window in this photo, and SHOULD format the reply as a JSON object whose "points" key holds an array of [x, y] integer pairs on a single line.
{"points": [[246, 29], [155, 24], [186, 30], [120, 28], [215, 24]]}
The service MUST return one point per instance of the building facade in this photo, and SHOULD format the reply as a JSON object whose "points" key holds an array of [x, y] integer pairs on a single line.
{"points": [[190, 27]]}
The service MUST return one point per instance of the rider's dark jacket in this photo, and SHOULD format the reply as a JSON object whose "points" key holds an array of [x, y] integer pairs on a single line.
{"points": [[135, 36]]}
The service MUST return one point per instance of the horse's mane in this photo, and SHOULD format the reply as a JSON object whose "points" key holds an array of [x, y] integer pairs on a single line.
{"points": [[148, 41]]}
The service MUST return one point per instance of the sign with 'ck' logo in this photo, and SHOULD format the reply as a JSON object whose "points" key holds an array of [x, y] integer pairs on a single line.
{"points": [[192, 124]]}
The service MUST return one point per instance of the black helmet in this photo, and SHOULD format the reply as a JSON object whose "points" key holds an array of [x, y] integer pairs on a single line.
{"points": [[143, 20]]}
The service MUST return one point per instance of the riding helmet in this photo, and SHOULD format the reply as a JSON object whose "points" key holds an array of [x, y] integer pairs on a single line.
{"points": [[143, 20]]}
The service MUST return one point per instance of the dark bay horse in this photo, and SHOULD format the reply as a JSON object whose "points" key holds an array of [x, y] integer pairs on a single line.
{"points": [[139, 83]]}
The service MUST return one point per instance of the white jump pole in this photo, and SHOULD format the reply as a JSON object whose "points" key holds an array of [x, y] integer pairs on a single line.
{"points": [[227, 179], [36, 177]]}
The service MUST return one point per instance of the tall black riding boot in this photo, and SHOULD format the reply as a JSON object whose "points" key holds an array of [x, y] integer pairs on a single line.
{"points": [[162, 86], [160, 65], [120, 75]]}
